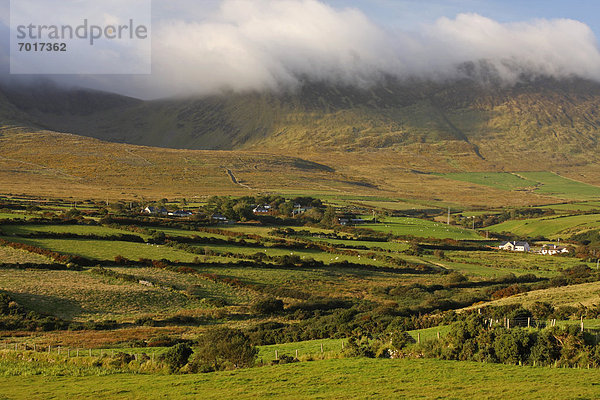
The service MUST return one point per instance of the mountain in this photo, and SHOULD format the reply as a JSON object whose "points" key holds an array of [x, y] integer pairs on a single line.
{"points": [[473, 125]]}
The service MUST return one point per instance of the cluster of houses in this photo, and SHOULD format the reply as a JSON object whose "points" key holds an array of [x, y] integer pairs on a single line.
{"points": [[266, 209], [163, 211], [547, 249], [262, 209], [152, 210]]}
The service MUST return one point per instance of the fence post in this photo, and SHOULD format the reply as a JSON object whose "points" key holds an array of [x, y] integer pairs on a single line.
{"points": [[508, 323], [528, 322], [321, 347], [49, 347], [296, 353], [58, 350], [438, 335], [90, 352], [276, 355], [342, 345], [418, 337], [582, 323]]}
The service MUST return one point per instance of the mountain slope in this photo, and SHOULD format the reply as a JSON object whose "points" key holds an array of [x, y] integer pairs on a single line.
{"points": [[366, 133]]}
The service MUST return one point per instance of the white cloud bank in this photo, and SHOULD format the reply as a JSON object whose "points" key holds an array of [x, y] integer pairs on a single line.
{"points": [[269, 44]]}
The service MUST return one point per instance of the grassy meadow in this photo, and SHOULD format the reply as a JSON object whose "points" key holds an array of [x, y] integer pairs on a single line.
{"points": [[552, 227], [359, 279], [421, 228], [334, 378]]}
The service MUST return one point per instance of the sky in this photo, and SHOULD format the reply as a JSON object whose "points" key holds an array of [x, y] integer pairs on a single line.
{"points": [[204, 47]]}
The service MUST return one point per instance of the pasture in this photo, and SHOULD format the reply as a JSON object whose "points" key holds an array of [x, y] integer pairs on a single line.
{"points": [[334, 378], [75, 229], [81, 296], [543, 183], [552, 227], [586, 294], [15, 256], [498, 180], [421, 228], [109, 249]]}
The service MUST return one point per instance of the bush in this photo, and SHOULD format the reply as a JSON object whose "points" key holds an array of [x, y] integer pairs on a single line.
{"points": [[512, 346], [177, 356], [268, 306], [223, 348]]}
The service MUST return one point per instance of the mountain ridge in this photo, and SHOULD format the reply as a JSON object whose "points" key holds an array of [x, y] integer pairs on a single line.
{"points": [[560, 120]]}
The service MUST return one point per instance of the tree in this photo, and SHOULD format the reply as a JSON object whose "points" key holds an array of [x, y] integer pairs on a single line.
{"points": [[328, 216]]}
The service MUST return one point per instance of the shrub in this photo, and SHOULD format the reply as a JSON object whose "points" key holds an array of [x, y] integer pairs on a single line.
{"points": [[223, 348], [512, 346], [268, 306], [177, 356]]}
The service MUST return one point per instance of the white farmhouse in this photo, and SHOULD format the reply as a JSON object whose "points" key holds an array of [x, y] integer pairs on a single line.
{"points": [[515, 246]]}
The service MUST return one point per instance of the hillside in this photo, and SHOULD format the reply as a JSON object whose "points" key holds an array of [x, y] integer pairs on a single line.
{"points": [[40, 162], [399, 139], [558, 121]]}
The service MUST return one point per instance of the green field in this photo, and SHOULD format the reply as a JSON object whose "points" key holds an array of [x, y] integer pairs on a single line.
{"points": [[421, 228], [82, 296], [108, 249], [9, 255], [558, 186], [576, 206], [499, 180], [6, 215], [305, 254], [552, 227], [76, 229], [586, 294], [544, 183], [336, 378], [498, 263]]}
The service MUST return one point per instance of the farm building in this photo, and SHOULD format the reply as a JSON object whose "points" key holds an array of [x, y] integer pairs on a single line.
{"points": [[553, 250], [181, 213], [219, 218], [155, 210], [262, 209], [515, 246]]}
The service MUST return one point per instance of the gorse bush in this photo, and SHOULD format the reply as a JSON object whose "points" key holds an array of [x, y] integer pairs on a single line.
{"points": [[177, 356], [223, 348], [473, 340]]}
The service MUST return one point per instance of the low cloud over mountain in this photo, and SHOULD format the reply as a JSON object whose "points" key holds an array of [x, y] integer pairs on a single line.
{"points": [[272, 44]]}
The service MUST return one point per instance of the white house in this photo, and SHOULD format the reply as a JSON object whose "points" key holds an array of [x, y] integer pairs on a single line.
{"points": [[155, 210], [219, 218], [262, 209], [553, 250], [181, 213], [515, 246]]}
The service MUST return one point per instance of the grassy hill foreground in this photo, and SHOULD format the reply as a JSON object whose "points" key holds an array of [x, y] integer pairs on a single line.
{"points": [[336, 379]]}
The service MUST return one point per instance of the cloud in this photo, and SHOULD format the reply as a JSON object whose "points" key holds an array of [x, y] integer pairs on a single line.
{"points": [[272, 44]]}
